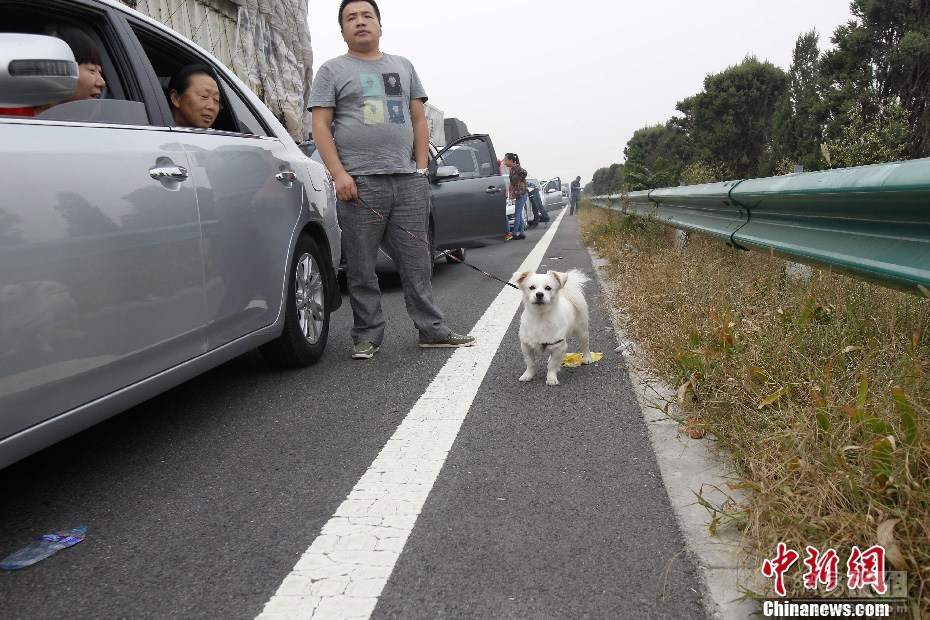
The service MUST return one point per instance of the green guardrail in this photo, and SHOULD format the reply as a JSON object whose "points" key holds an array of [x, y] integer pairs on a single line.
{"points": [[869, 221]]}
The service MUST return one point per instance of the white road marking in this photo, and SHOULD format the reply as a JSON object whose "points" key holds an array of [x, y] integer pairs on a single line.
{"points": [[344, 571]]}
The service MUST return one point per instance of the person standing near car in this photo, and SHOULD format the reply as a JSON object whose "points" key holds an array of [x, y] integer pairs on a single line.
{"points": [[575, 194], [369, 125], [518, 192]]}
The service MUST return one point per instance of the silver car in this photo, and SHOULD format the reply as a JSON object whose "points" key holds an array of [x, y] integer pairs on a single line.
{"points": [[551, 194], [135, 254]]}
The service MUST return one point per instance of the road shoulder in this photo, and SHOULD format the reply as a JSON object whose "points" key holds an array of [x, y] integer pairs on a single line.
{"points": [[690, 468]]}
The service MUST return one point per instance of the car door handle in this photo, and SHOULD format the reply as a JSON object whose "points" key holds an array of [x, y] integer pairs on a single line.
{"points": [[174, 173], [492, 190], [286, 176]]}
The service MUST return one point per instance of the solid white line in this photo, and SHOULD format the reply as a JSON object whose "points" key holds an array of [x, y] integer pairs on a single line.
{"points": [[344, 571]]}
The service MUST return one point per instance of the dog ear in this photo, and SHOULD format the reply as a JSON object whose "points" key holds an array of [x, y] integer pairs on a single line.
{"points": [[520, 276], [562, 277]]}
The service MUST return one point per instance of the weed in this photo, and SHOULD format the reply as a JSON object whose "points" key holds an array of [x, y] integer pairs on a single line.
{"points": [[816, 383]]}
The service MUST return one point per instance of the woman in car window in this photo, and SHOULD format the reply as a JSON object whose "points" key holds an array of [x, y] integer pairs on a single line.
{"points": [[90, 74], [194, 96]]}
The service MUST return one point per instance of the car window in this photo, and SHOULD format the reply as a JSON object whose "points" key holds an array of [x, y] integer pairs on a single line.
{"points": [[119, 100], [308, 147], [167, 55], [474, 153], [464, 159]]}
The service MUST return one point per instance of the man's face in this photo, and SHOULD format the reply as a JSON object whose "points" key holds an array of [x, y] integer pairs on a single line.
{"points": [[360, 27]]}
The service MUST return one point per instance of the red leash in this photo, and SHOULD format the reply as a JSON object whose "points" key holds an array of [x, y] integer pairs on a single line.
{"points": [[433, 247]]}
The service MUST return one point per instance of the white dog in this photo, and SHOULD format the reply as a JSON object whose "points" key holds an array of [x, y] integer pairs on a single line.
{"points": [[554, 309]]}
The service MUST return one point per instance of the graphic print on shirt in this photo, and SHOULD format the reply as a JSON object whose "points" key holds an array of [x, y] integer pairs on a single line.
{"points": [[392, 86], [372, 86], [384, 98], [374, 112], [396, 111]]}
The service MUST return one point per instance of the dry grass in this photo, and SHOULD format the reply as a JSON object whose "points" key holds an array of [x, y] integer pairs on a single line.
{"points": [[816, 383]]}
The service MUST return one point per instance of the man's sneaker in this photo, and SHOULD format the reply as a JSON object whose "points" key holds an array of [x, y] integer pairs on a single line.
{"points": [[364, 351], [454, 340], [508, 237]]}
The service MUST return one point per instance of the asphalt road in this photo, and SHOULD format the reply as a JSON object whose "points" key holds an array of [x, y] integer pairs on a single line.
{"points": [[200, 501]]}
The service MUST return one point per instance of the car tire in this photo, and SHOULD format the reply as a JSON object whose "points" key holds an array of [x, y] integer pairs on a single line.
{"points": [[306, 321], [459, 254], [526, 213]]}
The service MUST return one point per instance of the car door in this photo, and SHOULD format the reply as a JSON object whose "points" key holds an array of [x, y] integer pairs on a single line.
{"points": [[101, 271], [469, 208], [552, 194], [249, 196]]}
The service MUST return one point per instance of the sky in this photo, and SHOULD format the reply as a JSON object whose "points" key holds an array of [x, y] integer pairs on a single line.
{"points": [[565, 84]]}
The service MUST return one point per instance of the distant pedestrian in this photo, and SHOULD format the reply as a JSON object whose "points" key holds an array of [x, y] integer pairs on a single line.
{"points": [[575, 194], [370, 127], [518, 193]]}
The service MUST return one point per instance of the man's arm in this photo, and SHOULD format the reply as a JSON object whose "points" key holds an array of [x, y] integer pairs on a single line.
{"points": [[322, 123], [420, 132]]}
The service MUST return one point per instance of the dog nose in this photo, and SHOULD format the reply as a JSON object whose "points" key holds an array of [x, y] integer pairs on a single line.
{"points": [[539, 295]]}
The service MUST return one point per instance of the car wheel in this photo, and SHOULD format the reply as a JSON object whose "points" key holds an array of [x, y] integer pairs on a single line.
{"points": [[459, 254], [306, 321], [526, 213]]}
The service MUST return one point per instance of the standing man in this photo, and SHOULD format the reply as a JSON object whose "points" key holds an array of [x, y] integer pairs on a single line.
{"points": [[575, 193], [369, 124]]}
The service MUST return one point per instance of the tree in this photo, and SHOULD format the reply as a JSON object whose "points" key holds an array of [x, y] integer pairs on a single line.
{"points": [[640, 177], [873, 139], [664, 147], [884, 53], [801, 115], [731, 121], [607, 180]]}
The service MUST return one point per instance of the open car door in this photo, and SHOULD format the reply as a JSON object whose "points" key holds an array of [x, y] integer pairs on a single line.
{"points": [[468, 206]]}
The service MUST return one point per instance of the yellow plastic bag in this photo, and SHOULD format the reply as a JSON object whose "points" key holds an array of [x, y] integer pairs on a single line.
{"points": [[573, 360]]}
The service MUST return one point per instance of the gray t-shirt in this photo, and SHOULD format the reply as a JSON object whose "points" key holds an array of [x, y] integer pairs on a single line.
{"points": [[371, 116]]}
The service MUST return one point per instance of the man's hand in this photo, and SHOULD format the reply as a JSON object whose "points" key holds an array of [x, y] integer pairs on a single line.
{"points": [[323, 137], [346, 190]]}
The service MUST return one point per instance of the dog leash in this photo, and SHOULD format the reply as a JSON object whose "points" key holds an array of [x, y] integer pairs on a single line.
{"points": [[433, 247]]}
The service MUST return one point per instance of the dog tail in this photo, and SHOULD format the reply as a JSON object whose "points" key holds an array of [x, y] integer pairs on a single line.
{"points": [[576, 279], [573, 289]]}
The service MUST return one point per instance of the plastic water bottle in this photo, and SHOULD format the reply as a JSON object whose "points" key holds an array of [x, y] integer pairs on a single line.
{"points": [[44, 546]]}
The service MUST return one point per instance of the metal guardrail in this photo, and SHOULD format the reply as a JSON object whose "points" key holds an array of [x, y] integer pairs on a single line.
{"points": [[869, 221]]}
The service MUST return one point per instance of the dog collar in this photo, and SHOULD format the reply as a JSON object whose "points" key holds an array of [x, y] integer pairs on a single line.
{"points": [[551, 344]]}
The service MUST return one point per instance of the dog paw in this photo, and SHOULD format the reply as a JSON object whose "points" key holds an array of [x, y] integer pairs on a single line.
{"points": [[586, 359], [552, 381], [527, 376]]}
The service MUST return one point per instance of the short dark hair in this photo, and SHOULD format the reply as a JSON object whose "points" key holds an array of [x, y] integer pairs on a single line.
{"points": [[82, 46], [343, 4], [181, 80]]}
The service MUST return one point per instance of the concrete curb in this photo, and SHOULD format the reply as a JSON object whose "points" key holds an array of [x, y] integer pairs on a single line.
{"points": [[688, 467]]}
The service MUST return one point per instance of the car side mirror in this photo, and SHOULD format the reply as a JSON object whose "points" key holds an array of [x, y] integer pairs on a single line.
{"points": [[35, 70], [444, 173]]}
